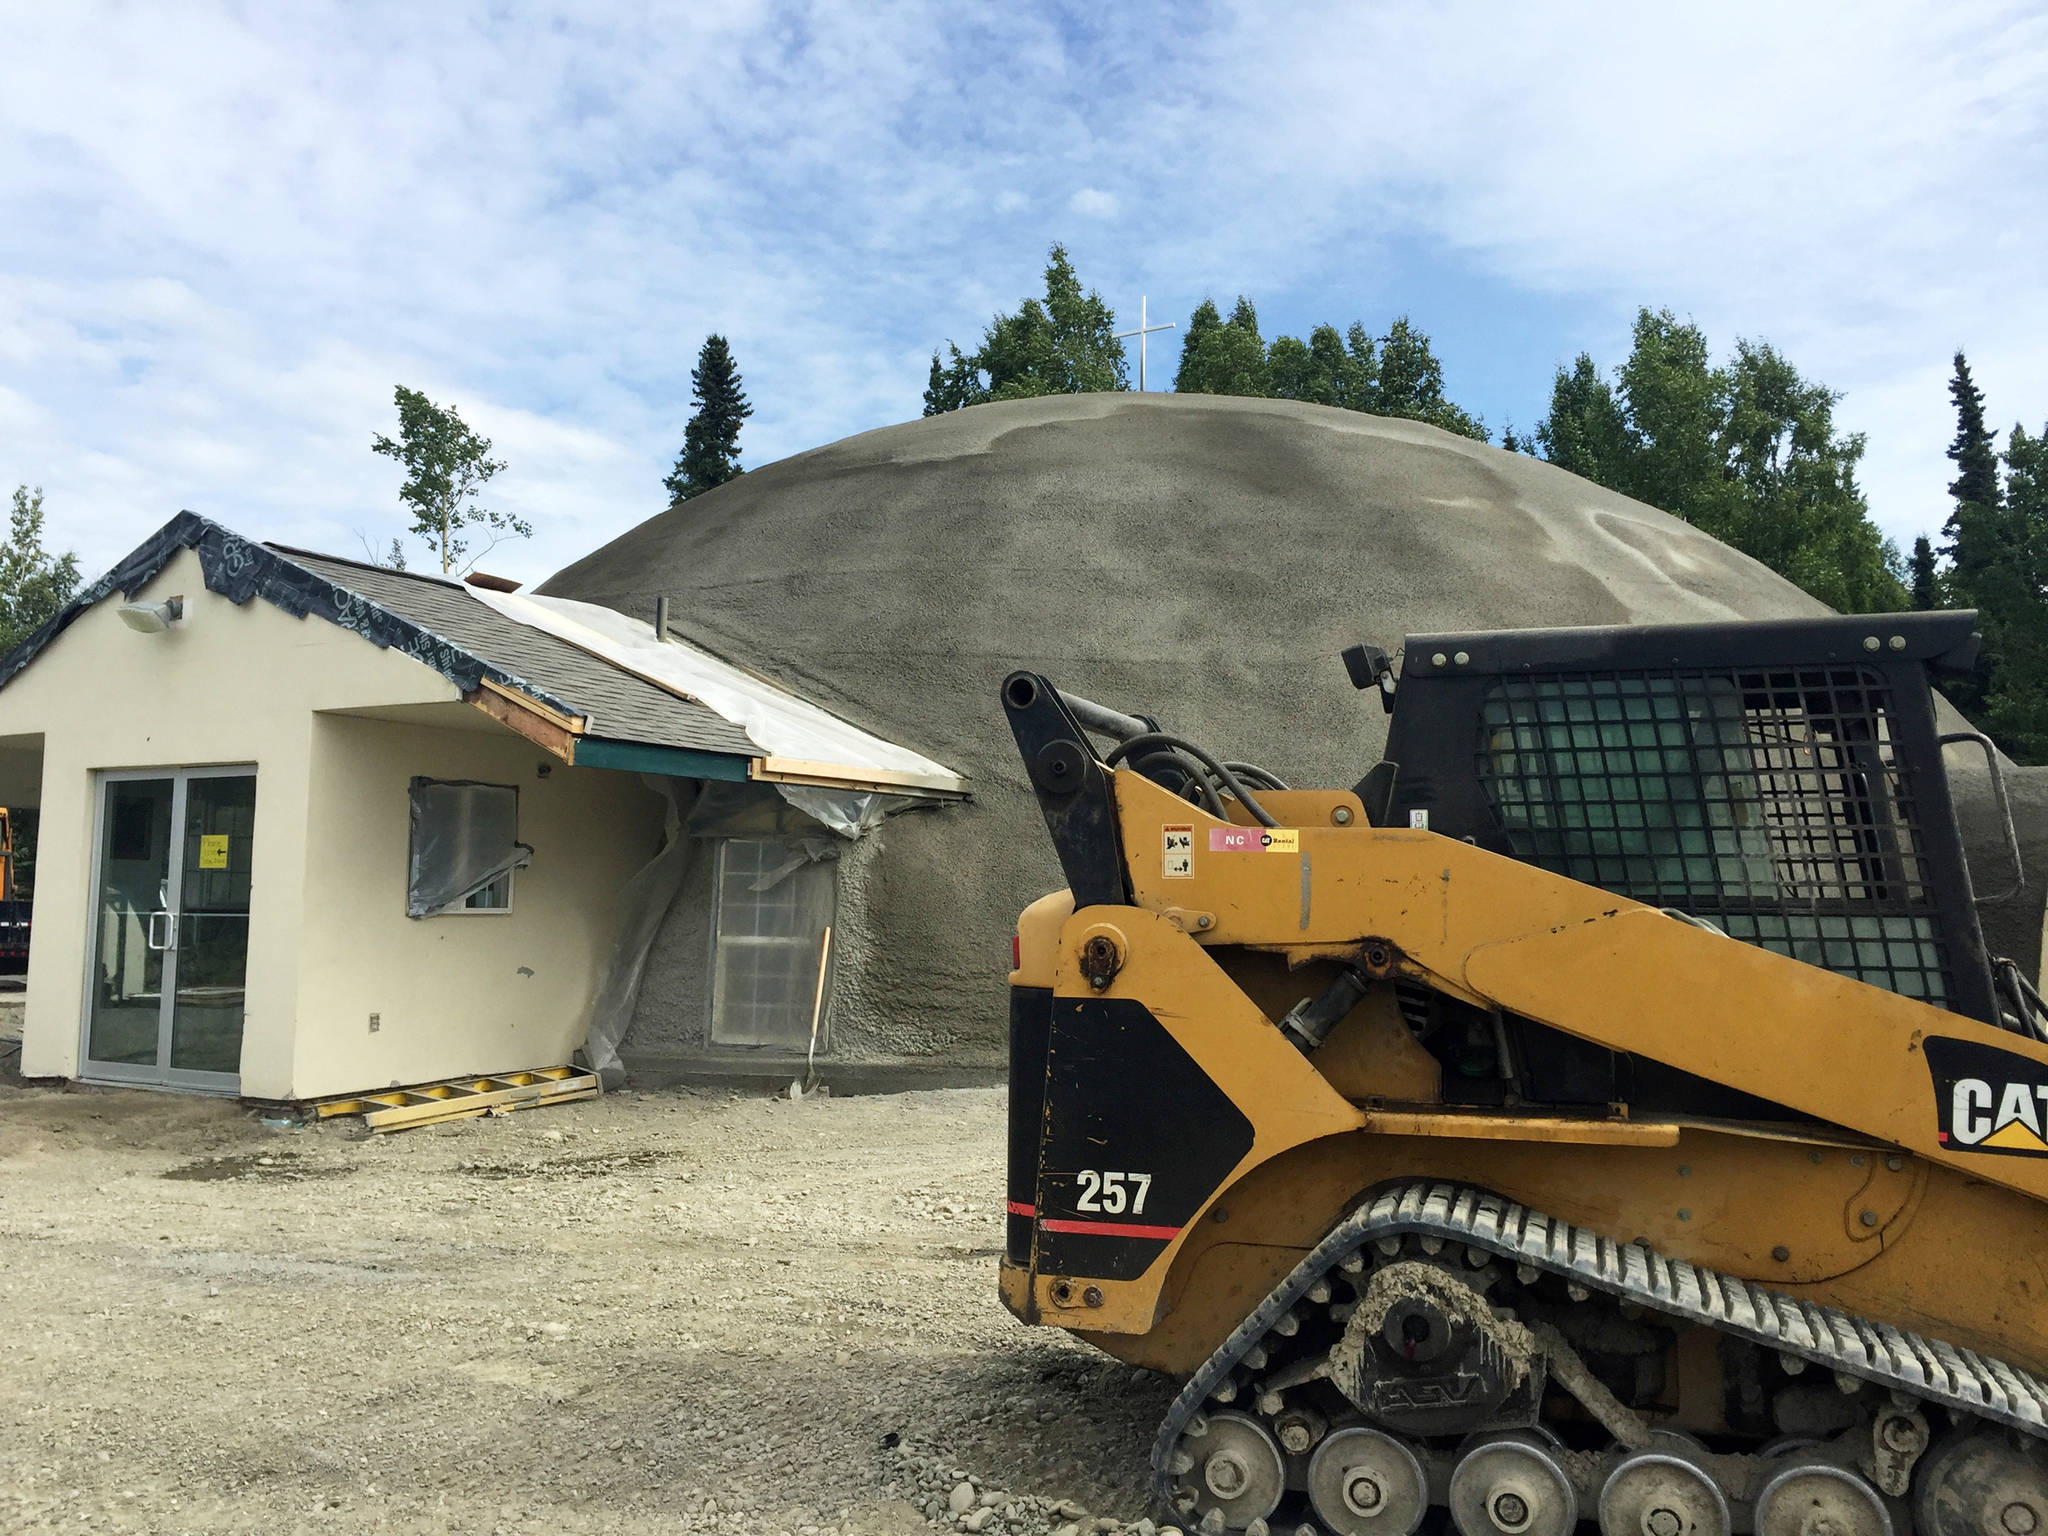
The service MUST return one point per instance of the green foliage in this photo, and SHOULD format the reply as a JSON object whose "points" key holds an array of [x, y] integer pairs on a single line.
{"points": [[446, 466], [711, 440], [1224, 357], [1674, 404], [34, 584], [1065, 344], [1926, 582], [1585, 431], [1792, 500], [1748, 453], [1393, 375], [1997, 544], [1974, 450], [2012, 597], [1411, 383], [1194, 344], [1321, 371]]}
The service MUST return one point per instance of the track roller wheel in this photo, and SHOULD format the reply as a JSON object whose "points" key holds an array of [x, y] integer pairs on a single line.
{"points": [[1982, 1485], [1364, 1483], [1513, 1486], [1655, 1493], [1234, 1472], [1816, 1499]]}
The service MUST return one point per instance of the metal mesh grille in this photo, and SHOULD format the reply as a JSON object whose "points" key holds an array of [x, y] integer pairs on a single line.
{"points": [[1769, 802]]}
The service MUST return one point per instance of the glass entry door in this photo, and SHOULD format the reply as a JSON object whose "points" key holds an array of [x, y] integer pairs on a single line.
{"points": [[170, 947]]}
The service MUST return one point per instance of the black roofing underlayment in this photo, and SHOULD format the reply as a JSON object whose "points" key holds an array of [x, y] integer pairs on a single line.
{"points": [[238, 569]]}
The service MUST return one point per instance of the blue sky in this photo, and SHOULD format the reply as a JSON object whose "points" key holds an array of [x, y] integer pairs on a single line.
{"points": [[227, 231]]}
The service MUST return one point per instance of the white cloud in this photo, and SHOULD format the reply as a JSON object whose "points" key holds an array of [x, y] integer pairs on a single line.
{"points": [[230, 232], [1852, 181]]}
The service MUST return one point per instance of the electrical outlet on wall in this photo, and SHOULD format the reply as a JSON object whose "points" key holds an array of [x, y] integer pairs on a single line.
{"points": [[376, 1022]]}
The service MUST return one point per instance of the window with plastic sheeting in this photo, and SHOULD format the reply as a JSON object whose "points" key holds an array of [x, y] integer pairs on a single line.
{"points": [[774, 905], [465, 845]]}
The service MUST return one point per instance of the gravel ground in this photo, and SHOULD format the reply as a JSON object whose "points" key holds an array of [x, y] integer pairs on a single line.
{"points": [[665, 1312]]}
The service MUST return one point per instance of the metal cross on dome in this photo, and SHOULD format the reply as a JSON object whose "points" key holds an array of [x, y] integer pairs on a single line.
{"points": [[1141, 333]]}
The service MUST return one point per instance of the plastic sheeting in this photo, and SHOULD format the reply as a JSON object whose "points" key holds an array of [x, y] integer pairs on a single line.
{"points": [[759, 814], [464, 837], [645, 901], [848, 812]]}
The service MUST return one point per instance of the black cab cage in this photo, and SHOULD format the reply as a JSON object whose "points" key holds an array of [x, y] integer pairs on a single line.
{"points": [[1781, 781]]}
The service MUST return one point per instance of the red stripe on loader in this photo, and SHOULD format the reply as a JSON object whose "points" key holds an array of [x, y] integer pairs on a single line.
{"points": [[1110, 1229]]}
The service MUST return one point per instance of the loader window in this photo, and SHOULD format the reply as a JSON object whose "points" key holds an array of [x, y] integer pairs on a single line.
{"points": [[1769, 803]]}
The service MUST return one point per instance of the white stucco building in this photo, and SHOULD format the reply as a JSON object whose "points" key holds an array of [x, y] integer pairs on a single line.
{"points": [[310, 827]]}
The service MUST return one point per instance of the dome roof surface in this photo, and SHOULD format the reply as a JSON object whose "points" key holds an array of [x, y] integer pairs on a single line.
{"points": [[1199, 558]]}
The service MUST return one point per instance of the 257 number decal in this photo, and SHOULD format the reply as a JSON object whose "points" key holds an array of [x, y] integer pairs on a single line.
{"points": [[1112, 1194]]}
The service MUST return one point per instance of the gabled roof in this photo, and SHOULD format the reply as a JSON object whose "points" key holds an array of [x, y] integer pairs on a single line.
{"points": [[613, 703], [596, 699]]}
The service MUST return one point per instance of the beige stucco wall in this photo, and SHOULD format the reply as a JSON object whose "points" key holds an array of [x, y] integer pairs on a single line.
{"points": [[479, 992], [329, 941]]}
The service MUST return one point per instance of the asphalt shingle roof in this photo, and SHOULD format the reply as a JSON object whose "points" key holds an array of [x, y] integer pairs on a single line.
{"points": [[619, 705]]}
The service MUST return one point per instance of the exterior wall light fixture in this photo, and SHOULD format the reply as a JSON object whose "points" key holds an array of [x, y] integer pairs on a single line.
{"points": [[153, 618]]}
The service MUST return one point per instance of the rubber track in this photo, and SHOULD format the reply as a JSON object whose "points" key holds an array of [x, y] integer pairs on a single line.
{"points": [[1926, 1368]]}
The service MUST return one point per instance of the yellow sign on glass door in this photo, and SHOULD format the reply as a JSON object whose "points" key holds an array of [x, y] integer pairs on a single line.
{"points": [[213, 850]]}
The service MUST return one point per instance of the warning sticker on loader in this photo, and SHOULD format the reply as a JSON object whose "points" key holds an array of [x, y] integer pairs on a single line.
{"points": [[1254, 840], [1987, 1099], [1180, 853]]}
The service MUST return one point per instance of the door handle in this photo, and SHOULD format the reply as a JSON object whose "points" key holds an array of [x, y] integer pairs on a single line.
{"points": [[167, 936]]}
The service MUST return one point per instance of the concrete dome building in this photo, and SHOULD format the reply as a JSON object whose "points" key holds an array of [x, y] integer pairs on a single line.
{"points": [[1200, 559]]}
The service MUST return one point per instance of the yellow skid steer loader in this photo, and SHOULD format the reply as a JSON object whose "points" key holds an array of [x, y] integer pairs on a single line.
{"points": [[1607, 1111]]}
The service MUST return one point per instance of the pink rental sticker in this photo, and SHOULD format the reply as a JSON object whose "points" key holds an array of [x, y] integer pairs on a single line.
{"points": [[1254, 839]]}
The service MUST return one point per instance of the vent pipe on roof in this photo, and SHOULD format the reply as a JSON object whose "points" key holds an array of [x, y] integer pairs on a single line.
{"points": [[661, 618]]}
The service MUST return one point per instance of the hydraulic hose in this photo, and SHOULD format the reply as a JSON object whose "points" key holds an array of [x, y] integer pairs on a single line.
{"points": [[1102, 720], [1221, 774]]}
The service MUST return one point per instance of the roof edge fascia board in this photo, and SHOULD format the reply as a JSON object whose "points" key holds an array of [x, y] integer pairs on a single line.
{"points": [[669, 762], [789, 770], [239, 568], [550, 731]]}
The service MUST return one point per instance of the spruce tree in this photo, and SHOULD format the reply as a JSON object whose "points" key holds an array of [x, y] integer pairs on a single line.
{"points": [[1975, 564], [711, 441], [1975, 450], [2015, 605], [1926, 585]]}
